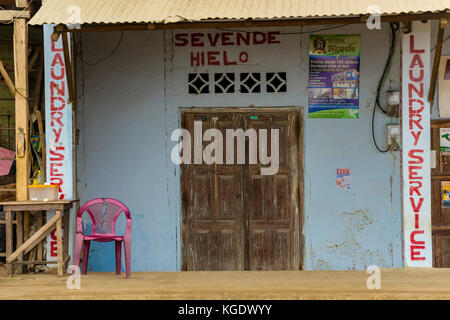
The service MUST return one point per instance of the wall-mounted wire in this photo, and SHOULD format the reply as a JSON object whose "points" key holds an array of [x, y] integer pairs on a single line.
{"points": [[394, 28], [105, 57]]}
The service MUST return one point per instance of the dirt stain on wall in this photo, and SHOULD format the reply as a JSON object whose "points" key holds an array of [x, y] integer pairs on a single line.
{"points": [[347, 246]]}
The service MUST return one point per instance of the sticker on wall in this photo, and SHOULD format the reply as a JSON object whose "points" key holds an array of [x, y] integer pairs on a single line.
{"points": [[334, 76], [445, 188], [444, 137], [343, 179]]}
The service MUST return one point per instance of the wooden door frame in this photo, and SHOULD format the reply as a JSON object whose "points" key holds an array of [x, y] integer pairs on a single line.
{"points": [[299, 235], [437, 124]]}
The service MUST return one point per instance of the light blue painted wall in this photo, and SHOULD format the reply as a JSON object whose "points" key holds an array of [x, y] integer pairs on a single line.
{"points": [[122, 143], [129, 104]]}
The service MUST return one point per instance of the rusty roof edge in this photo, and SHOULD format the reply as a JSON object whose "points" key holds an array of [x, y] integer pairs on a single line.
{"points": [[255, 22]]}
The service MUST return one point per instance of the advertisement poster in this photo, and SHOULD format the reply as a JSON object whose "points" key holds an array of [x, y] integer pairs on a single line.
{"points": [[444, 138], [445, 187], [343, 179], [334, 76]]}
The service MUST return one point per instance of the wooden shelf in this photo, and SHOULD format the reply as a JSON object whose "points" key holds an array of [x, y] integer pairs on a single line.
{"points": [[35, 262], [4, 221]]}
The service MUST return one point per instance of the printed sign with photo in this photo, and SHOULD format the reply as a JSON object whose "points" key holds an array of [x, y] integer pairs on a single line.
{"points": [[334, 76]]}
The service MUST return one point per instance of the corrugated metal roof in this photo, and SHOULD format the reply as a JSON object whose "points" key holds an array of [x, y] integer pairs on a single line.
{"points": [[168, 11]]}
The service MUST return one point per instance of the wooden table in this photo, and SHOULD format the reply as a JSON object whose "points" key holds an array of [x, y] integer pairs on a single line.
{"points": [[62, 216]]}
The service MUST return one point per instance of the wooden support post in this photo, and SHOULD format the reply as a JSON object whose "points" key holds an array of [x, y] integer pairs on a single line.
{"points": [[39, 253], [38, 87], [59, 243], [26, 225], [75, 136], [42, 139], [23, 163], [436, 62], [21, 106], [37, 112], [19, 238], [9, 240], [65, 255]]}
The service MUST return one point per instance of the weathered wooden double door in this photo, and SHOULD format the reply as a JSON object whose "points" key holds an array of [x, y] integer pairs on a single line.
{"points": [[234, 218]]}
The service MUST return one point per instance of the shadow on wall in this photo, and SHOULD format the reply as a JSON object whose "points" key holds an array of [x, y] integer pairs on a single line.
{"points": [[102, 254]]}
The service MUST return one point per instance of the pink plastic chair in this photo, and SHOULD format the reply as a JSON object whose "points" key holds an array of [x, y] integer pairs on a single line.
{"points": [[104, 213]]}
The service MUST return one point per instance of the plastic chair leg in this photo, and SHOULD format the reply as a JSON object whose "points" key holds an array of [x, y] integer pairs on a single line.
{"points": [[77, 249], [118, 256], [127, 250], [87, 244]]}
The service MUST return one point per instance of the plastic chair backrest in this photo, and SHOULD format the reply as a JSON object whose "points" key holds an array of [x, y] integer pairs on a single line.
{"points": [[104, 213]]}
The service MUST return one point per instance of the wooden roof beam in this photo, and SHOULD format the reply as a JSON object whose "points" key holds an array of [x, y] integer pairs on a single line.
{"points": [[23, 150], [437, 60], [10, 15]]}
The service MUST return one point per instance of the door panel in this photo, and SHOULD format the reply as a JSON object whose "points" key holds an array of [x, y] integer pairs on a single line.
{"points": [[212, 207], [273, 199]]}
